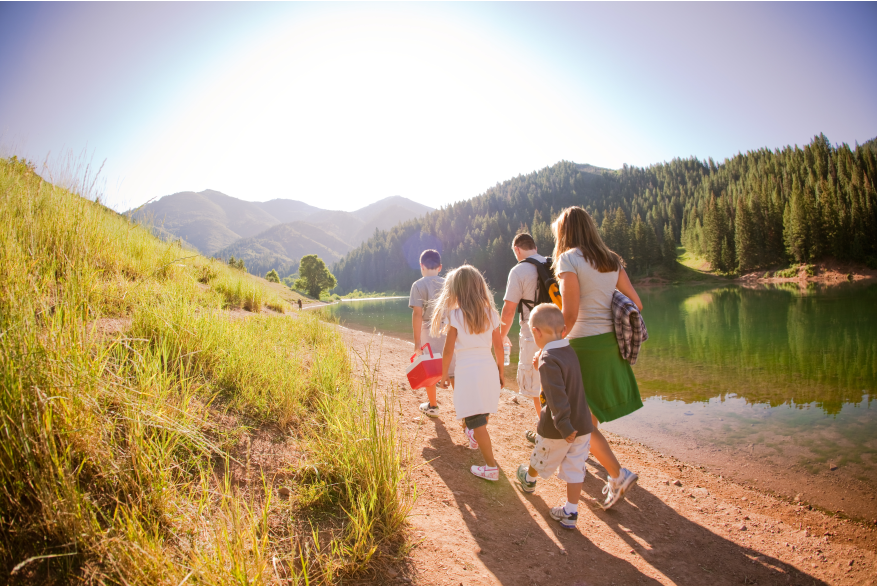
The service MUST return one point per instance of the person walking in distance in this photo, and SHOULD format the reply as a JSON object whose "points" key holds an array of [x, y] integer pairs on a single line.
{"points": [[589, 273]]}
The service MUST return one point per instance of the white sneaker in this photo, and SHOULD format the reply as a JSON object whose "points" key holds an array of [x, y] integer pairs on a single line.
{"points": [[431, 411], [473, 444], [485, 472], [616, 487], [566, 520]]}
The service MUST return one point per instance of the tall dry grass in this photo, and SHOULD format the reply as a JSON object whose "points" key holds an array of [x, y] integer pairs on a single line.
{"points": [[116, 452]]}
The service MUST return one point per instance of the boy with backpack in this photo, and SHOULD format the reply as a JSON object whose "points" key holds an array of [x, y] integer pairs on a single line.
{"points": [[424, 291], [531, 282]]}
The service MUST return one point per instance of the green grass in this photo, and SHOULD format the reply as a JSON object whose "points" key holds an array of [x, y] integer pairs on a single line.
{"points": [[122, 451], [688, 269]]}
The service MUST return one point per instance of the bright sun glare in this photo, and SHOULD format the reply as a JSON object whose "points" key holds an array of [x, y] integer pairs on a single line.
{"points": [[313, 104]]}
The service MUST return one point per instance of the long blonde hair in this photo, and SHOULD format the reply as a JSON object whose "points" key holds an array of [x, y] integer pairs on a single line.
{"points": [[575, 229], [466, 289]]}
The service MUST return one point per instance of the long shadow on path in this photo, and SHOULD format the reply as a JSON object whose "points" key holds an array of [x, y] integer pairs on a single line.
{"points": [[516, 548], [522, 546]]}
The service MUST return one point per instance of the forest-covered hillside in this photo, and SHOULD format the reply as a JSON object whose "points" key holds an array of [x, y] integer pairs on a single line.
{"points": [[754, 210]]}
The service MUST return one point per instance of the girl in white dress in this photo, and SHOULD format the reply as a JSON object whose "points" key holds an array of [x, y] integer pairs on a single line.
{"points": [[465, 313]]}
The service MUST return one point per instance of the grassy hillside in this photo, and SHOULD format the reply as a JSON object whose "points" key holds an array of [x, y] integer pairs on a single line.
{"points": [[152, 436]]}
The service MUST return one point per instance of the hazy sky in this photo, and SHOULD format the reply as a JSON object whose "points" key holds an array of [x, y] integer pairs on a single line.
{"points": [[340, 105]]}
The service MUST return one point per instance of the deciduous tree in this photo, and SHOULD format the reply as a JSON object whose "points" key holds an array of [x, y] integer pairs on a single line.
{"points": [[314, 276]]}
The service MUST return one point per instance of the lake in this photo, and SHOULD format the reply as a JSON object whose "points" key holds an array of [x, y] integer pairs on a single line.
{"points": [[771, 385]]}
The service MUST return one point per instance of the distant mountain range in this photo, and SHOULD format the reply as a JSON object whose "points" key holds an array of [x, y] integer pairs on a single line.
{"points": [[270, 235]]}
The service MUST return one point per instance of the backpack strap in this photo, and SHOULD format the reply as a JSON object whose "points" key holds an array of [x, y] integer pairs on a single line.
{"points": [[541, 272], [547, 285]]}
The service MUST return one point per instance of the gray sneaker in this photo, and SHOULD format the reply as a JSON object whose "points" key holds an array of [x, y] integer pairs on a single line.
{"points": [[616, 487], [431, 411], [526, 486]]}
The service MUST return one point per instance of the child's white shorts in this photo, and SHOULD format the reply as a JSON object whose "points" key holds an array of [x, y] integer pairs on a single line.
{"points": [[528, 376], [551, 454]]}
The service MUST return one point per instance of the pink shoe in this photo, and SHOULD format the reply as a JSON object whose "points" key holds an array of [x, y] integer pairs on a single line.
{"points": [[473, 444], [485, 472]]}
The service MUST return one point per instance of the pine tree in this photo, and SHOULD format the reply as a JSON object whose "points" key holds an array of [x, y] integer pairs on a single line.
{"points": [[622, 234], [668, 247], [744, 238], [798, 243]]}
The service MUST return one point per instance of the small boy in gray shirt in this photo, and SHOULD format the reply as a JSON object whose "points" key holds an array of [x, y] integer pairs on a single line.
{"points": [[424, 291], [563, 438]]}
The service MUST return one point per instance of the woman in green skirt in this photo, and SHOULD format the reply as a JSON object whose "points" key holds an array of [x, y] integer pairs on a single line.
{"points": [[589, 273]]}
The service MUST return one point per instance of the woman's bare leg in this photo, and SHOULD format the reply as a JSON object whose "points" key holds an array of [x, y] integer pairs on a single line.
{"points": [[602, 452]]}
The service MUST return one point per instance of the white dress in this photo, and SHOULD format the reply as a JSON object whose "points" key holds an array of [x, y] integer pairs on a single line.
{"points": [[476, 378]]}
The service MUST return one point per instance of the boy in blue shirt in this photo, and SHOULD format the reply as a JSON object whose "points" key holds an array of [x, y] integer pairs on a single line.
{"points": [[563, 437]]}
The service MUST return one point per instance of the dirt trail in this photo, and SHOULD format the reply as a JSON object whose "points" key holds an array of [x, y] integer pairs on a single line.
{"points": [[703, 530]]}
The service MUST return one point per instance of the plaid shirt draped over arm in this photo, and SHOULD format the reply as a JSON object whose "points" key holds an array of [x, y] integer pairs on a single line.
{"points": [[630, 328]]}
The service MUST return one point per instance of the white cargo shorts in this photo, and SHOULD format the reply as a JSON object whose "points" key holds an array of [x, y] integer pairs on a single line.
{"points": [[551, 454]]}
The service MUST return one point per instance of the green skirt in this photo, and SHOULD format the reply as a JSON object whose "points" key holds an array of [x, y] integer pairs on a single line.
{"points": [[609, 383]]}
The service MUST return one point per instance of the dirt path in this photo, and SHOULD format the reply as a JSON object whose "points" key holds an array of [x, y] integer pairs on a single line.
{"points": [[680, 525]]}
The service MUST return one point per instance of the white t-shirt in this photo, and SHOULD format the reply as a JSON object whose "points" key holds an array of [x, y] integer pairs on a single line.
{"points": [[522, 285], [596, 289], [465, 339]]}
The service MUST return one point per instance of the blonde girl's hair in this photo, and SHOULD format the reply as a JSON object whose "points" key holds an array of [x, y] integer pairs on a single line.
{"points": [[466, 289], [575, 229]]}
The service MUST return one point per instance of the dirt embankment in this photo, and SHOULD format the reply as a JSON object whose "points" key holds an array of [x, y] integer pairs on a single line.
{"points": [[680, 525], [828, 272]]}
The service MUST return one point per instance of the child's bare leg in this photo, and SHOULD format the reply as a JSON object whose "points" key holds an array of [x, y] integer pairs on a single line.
{"points": [[430, 395], [538, 405], [483, 438], [602, 452], [532, 472], [573, 491]]}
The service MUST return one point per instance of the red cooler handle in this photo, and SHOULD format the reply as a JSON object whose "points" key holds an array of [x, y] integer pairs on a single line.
{"points": [[426, 346]]}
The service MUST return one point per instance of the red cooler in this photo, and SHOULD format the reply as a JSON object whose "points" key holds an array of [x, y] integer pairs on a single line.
{"points": [[424, 371]]}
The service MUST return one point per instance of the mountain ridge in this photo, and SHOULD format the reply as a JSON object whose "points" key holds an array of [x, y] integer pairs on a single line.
{"points": [[217, 224]]}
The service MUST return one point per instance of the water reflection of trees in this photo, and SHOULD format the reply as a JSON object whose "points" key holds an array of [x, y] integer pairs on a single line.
{"points": [[776, 345]]}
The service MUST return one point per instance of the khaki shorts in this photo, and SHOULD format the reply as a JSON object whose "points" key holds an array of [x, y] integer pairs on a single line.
{"points": [[437, 344], [528, 377], [551, 454]]}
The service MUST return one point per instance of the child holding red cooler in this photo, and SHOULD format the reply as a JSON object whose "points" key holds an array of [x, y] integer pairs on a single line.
{"points": [[424, 292]]}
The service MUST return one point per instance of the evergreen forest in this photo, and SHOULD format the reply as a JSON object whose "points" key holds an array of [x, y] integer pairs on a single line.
{"points": [[755, 210]]}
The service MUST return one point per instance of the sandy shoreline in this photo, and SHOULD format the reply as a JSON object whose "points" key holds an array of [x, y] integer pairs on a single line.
{"points": [[682, 524]]}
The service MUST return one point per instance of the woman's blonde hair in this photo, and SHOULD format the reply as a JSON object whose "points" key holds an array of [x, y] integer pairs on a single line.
{"points": [[466, 289], [575, 229]]}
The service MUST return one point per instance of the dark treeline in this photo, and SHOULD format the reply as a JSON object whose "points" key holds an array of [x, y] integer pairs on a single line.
{"points": [[755, 210]]}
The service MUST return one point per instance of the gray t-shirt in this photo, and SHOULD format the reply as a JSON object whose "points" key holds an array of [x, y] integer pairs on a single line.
{"points": [[423, 291], [522, 285], [595, 304]]}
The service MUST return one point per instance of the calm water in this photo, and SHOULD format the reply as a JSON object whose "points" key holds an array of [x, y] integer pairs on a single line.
{"points": [[783, 376]]}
